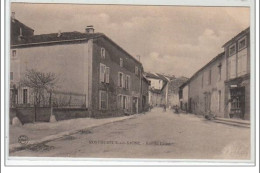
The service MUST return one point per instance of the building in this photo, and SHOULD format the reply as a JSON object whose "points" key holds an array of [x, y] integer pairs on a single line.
{"points": [[173, 90], [222, 86], [94, 72], [158, 90], [206, 88], [184, 96], [237, 84], [164, 89]]}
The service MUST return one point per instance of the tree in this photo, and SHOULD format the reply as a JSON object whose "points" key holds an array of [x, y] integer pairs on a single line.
{"points": [[39, 82]]}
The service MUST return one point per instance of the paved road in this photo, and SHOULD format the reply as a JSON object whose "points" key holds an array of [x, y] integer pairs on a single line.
{"points": [[155, 134]]}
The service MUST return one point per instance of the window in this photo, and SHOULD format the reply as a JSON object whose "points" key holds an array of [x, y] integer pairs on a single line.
{"points": [[103, 52], [136, 70], [25, 96], [231, 67], [127, 82], [11, 75], [103, 100], [124, 80], [242, 62], [209, 77], [13, 53], [120, 79], [21, 31], [219, 71], [232, 50], [121, 62], [102, 72], [242, 43], [124, 102]]}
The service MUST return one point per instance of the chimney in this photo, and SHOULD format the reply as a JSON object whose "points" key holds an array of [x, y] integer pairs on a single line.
{"points": [[90, 29], [13, 16]]}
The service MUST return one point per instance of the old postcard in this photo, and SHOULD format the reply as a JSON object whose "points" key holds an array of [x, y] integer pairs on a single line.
{"points": [[131, 82]]}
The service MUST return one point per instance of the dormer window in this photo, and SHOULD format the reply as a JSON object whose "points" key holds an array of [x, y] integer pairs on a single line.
{"points": [[242, 43], [103, 52], [232, 50], [121, 62]]}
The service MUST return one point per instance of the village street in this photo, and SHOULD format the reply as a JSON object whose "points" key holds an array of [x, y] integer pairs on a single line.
{"points": [[156, 134]]}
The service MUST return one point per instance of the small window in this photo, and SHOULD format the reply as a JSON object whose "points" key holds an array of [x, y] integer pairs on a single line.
{"points": [[121, 62], [219, 71], [232, 50], [136, 70], [103, 100], [127, 82], [14, 53], [25, 96], [242, 43], [11, 75], [103, 52]]}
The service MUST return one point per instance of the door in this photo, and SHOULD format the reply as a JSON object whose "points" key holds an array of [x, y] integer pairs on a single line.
{"points": [[135, 105], [237, 96]]}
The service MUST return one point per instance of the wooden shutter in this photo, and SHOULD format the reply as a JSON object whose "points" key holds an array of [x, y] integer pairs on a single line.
{"points": [[107, 74], [102, 73]]}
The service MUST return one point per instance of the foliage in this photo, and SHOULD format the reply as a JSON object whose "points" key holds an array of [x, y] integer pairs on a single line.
{"points": [[39, 82]]}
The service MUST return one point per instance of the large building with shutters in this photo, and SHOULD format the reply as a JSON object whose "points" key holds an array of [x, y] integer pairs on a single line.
{"points": [[93, 71]]}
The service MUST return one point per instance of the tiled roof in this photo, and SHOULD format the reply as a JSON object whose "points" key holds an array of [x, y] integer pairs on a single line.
{"points": [[54, 37]]}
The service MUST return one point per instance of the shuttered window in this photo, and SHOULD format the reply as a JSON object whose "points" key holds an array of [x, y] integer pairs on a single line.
{"points": [[102, 72]]}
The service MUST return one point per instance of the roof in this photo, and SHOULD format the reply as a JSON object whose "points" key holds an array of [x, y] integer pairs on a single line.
{"points": [[219, 56], [21, 24], [238, 35], [53, 37], [65, 37], [156, 76]]}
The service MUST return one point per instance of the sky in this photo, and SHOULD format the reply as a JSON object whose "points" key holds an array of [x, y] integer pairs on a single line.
{"points": [[174, 40]]}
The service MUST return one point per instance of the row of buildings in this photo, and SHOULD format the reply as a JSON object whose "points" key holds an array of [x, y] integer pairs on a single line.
{"points": [[222, 86], [164, 89], [94, 73]]}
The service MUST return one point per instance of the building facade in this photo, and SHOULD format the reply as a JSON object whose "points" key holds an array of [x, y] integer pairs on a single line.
{"points": [[158, 90], [222, 86], [237, 84], [93, 72]]}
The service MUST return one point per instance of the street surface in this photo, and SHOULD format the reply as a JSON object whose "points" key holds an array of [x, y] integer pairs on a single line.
{"points": [[156, 134]]}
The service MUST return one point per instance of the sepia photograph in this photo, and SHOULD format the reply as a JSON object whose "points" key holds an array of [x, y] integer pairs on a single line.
{"points": [[130, 82]]}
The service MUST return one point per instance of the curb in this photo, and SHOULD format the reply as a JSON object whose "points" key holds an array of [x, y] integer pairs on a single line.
{"points": [[232, 123], [18, 146]]}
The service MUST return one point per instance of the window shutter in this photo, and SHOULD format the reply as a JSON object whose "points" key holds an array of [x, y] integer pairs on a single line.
{"points": [[123, 80], [107, 74], [118, 79]]}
